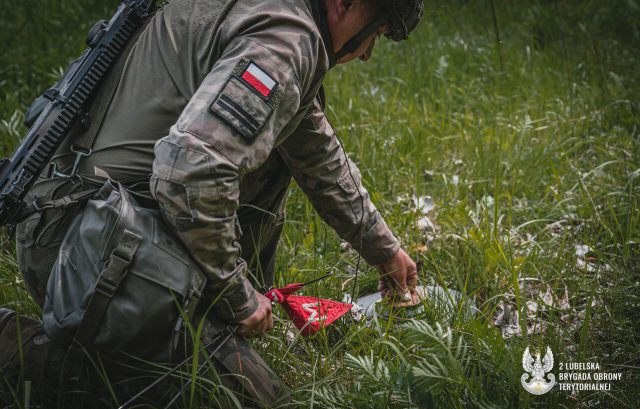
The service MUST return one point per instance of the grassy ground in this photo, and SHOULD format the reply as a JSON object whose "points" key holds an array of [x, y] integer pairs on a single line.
{"points": [[529, 149]]}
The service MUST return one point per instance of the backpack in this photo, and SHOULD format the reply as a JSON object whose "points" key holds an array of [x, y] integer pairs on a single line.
{"points": [[123, 284]]}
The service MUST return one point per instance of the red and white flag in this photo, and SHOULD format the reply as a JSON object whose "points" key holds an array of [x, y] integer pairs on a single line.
{"points": [[259, 80], [309, 314]]}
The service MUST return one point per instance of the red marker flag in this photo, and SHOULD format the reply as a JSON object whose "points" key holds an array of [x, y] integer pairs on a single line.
{"points": [[309, 314]]}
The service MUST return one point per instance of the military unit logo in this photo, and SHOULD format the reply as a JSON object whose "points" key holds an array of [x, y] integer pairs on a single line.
{"points": [[538, 370]]}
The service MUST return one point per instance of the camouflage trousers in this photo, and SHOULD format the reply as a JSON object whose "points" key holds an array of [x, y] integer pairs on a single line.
{"points": [[33, 369], [261, 217]]}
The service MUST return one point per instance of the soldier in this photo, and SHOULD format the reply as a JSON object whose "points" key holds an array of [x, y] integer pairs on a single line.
{"points": [[222, 102]]}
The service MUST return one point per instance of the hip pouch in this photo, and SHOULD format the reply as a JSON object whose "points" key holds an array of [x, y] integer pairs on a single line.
{"points": [[122, 284]]}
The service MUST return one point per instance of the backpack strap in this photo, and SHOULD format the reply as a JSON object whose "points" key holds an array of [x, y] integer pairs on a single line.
{"points": [[64, 202]]}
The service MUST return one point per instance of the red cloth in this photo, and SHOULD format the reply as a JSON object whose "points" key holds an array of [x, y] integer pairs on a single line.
{"points": [[279, 295], [309, 314]]}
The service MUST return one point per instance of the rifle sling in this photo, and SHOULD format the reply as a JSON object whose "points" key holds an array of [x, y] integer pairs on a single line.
{"points": [[85, 140]]}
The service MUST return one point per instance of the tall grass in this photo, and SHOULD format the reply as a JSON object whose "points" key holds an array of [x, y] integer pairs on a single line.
{"points": [[528, 148], [506, 150]]}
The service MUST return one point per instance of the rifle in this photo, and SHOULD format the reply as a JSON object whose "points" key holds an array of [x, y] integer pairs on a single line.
{"points": [[53, 115]]}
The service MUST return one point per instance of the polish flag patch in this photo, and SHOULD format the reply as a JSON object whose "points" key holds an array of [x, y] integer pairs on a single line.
{"points": [[257, 79]]}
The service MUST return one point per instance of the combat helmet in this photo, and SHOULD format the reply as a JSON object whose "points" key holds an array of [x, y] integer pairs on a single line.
{"points": [[402, 15]]}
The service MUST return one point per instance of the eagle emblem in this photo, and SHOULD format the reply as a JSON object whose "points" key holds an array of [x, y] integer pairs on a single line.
{"points": [[537, 369]]}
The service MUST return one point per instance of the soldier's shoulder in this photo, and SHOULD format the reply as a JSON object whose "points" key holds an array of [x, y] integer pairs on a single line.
{"points": [[286, 27]]}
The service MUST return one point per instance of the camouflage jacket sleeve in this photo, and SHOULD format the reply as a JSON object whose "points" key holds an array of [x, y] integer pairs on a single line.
{"points": [[227, 129], [333, 184]]}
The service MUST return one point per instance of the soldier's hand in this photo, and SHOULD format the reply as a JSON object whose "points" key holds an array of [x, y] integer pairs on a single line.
{"points": [[398, 277], [260, 321]]}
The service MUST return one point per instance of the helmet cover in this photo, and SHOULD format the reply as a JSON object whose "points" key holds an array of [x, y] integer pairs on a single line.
{"points": [[403, 15]]}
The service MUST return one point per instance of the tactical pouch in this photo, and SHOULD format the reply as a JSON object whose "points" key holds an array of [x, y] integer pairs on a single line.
{"points": [[122, 282], [52, 205]]}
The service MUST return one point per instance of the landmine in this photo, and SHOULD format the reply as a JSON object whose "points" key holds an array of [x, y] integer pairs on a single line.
{"points": [[435, 303]]}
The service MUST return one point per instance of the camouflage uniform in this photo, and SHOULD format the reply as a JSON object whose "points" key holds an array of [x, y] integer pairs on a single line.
{"points": [[225, 152], [227, 131]]}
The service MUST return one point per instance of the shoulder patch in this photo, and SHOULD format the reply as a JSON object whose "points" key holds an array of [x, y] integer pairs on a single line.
{"points": [[258, 80], [247, 99]]}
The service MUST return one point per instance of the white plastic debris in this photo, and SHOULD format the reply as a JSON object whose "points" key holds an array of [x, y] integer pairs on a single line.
{"points": [[582, 250], [585, 262], [547, 298], [426, 225], [423, 204], [532, 309], [487, 201]]}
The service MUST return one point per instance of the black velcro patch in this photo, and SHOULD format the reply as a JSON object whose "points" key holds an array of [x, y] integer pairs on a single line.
{"points": [[242, 109], [239, 113]]}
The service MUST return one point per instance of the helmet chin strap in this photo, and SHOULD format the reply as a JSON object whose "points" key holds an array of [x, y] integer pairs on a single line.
{"points": [[355, 42]]}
